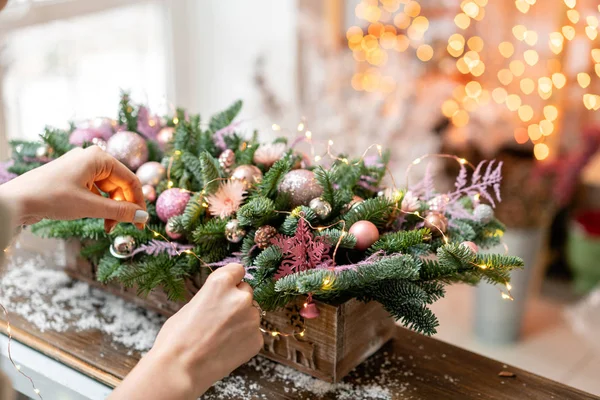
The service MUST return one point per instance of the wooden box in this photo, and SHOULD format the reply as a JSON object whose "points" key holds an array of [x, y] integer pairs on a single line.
{"points": [[328, 348]]}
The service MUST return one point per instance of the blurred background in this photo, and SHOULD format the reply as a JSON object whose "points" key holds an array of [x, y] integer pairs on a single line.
{"points": [[517, 81]]}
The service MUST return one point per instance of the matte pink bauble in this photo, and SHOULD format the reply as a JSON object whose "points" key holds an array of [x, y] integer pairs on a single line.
{"points": [[471, 246], [129, 148], [149, 193], [170, 233], [366, 234], [310, 311], [171, 203]]}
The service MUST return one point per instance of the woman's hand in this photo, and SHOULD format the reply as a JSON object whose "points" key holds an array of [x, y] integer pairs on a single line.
{"points": [[216, 332], [68, 188]]}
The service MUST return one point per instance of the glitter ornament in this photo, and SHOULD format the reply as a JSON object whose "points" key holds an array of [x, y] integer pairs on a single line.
{"points": [[484, 213], [263, 236], [310, 311], [151, 173], [122, 247], [226, 160], [171, 203], [100, 143], [149, 193], [366, 233], [248, 174], [129, 148], [171, 231], [234, 232], [321, 207], [436, 222], [302, 187], [165, 136], [471, 246], [86, 132]]}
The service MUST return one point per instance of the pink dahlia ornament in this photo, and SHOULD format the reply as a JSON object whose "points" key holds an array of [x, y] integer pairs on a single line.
{"points": [[129, 148], [227, 200], [267, 154], [171, 203]]}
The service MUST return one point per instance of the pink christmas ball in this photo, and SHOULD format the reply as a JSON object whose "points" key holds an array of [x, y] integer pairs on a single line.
{"points": [[149, 193], [366, 234], [170, 233], [129, 148], [171, 203], [86, 135], [471, 246]]}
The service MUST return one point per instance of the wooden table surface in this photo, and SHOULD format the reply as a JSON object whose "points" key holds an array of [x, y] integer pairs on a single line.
{"points": [[409, 367]]}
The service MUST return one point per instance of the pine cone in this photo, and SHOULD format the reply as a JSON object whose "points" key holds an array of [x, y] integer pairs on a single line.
{"points": [[263, 236]]}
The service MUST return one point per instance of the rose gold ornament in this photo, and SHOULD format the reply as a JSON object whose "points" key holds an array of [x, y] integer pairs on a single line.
{"points": [[471, 246], [165, 136], [149, 193], [151, 173], [310, 311], [366, 233], [436, 222], [248, 174], [129, 148], [226, 160], [302, 187]]}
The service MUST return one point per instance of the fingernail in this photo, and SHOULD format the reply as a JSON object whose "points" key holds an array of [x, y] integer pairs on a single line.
{"points": [[140, 217]]}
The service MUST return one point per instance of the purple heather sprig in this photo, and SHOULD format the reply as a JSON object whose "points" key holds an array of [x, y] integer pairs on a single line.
{"points": [[155, 247]]}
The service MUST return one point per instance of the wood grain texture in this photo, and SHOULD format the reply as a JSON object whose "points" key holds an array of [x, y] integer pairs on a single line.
{"points": [[428, 368]]}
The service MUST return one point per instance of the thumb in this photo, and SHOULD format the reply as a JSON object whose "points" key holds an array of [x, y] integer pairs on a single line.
{"points": [[115, 211]]}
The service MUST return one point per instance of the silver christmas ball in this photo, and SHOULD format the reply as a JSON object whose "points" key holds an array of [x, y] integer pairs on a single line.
{"points": [[302, 187], [129, 148], [151, 173], [123, 247], [249, 175], [234, 232], [321, 207], [41, 151], [484, 213]]}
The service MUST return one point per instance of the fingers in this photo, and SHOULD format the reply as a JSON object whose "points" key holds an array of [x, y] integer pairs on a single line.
{"points": [[109, 209], [229, 275], [244, 287]]}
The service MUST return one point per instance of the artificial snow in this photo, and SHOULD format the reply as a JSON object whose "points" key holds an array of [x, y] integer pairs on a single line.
{"points": [[52, 301]]}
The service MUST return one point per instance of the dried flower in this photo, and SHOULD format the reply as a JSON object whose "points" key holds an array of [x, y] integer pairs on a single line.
{"points": [[267, 154], [410, 203], [227, 200]]}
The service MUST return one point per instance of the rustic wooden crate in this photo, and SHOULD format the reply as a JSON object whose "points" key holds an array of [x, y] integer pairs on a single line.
{"points": [[342, 337]]}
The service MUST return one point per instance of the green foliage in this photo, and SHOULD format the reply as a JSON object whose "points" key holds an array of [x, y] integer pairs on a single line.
{"points": [[127, 113], [258, 211], [401, 241], [154, 152], [291, 221], [83, 229], [57, 141], [194, 211], [268, 186], [377, 210], [348, 240], [225, 118], [109, 268], [266, 263], [211, 172], [324, 179], [94, 250], [209, 235]]}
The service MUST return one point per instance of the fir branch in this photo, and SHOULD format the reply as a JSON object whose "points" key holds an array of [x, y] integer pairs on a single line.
{"points": [[400, 242], [109, 268], [290, 223], [57, 141], [210, 234], [257, 212], [326, 183], [211, 171], [194, 166], [224, 118], [267, 263], [194, 211], [376, 210], [268, 186], [268, 298], [346, 240], [127, 116]]}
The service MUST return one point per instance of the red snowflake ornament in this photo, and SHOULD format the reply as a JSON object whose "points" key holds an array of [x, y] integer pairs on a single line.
{"points": [[302, 252]]}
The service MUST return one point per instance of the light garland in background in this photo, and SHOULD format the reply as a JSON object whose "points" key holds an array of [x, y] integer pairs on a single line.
{"points": [[397, 26]]}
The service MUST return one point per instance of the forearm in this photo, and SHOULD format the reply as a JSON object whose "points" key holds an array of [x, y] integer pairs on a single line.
{"points": [[20, 205], [161, 375]]}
